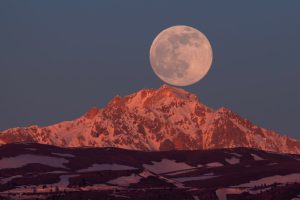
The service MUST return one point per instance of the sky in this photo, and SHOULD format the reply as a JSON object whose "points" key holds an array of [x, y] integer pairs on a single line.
{"points": [[59, 58]]}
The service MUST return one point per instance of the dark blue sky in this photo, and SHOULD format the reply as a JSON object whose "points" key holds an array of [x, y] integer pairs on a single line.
{"points": [[59, 58]]}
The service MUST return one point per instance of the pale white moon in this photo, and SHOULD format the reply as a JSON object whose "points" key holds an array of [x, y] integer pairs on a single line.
{"points": [[180, 55]]}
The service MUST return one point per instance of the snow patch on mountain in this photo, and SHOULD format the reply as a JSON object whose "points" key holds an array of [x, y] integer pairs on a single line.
{"points": [[63, 155], [283, 179], [25, 159], [232, 160], [166, 165], [214, 164], [194, 178], [256, 157], [125, 180], [103, 167]]}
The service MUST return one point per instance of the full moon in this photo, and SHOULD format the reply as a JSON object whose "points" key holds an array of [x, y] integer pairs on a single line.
{"points": [[180, 55]]}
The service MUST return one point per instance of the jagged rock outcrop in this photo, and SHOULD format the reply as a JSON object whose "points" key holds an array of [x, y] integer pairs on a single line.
{"points": [[156, 119]]}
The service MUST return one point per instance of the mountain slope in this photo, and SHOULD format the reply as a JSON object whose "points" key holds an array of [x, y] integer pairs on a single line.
{"points": [[156, 119], [36, 171]]}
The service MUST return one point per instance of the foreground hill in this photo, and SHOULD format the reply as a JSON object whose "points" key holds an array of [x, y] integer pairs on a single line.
{"points": [[36, 171], [156, 119]]}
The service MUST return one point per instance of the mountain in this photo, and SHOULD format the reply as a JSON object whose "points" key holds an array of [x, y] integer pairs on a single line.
{"points": [[36, 171], [156, 119]]}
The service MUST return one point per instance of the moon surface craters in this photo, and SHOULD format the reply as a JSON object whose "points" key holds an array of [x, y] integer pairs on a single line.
{"points": [[180, 55]]}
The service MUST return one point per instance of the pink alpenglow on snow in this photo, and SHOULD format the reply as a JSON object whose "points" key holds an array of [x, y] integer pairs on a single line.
{"points": [[166, 118]]}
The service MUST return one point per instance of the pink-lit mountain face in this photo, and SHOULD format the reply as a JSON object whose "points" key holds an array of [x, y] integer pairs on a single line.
{"points": [[156, 119]]}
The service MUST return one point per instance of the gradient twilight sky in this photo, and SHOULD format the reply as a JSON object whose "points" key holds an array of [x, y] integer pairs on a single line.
{"points": [[59, 58]]}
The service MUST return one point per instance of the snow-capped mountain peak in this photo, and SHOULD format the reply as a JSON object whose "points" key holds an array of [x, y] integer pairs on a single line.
{"points": [[156, 119]]}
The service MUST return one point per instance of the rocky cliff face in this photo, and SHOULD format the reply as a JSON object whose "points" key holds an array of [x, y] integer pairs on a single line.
{"points": [[156, 119]]}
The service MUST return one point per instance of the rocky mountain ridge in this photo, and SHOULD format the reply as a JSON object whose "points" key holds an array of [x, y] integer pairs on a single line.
{"points": [[156, 119]]}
